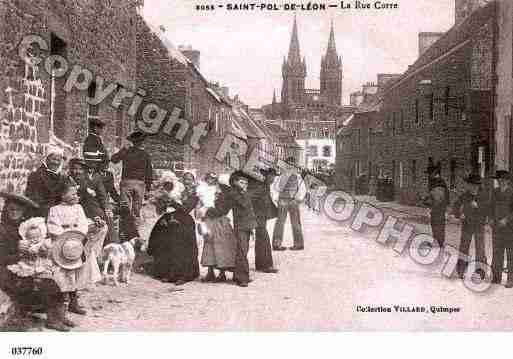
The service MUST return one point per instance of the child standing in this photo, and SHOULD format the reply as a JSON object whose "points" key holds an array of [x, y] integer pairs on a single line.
{"points": [[66, 217]]}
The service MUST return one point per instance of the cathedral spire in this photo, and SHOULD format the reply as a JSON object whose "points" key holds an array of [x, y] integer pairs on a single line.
{"points": [[294, 53], [331, 57]]}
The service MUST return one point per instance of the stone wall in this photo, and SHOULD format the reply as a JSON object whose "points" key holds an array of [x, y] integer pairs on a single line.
{"points": [[98, 36]]}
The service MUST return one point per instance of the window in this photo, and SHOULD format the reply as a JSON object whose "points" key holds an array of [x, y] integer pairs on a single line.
{"points": [[431, 114], [417, 119], [312, 151], [402, 121], [326, 151], [414, 171], [393, 123], [358, 138], [446, 100], [326, 133], [369, 168], [58, 95], [92, 110], [401, 174], [393, 170], [452, 177], [370, 136]]}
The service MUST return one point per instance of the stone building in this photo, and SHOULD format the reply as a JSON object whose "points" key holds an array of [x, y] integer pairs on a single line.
{"points": [[441, 107], [36, 106], [173, 82]]}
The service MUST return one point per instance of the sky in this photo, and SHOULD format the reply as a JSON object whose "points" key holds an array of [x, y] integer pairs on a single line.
{"points": [[244, 50]]}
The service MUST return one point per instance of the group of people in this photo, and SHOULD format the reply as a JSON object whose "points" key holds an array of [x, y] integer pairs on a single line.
{"points": [[476, 207], [188, 208], [51, 237]]}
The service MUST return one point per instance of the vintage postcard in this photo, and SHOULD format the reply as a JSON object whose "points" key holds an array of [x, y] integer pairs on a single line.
{"points": [[274, 166]]}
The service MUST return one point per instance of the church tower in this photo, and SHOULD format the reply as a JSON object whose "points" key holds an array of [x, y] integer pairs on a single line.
{"points": [[331, 73], [293, 72]]}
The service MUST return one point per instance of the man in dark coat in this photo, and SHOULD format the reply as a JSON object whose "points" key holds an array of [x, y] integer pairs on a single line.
{"points": [[263, 205], [45, 184], [501, 213], [437, 201], [95, 154], [473, 206], [244, 222], [93, 197]]}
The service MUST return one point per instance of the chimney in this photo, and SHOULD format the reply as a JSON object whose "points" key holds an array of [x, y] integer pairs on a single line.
{"points": [[384, 78], [226, 91], [463, 8], [370, 88], [426, 39], [191, 54]]}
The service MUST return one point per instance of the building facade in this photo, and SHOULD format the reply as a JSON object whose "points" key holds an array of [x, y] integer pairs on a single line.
{"points": [[36, 109], [440, 109]]}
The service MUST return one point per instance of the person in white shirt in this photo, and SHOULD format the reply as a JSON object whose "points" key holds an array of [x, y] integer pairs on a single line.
{"points": [[291, 192]]}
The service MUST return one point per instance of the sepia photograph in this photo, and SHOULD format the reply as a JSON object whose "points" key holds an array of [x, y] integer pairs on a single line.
{"points": [[215, 166]]}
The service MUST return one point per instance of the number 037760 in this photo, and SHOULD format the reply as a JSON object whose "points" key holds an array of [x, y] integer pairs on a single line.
{"points": [[22, 351]]}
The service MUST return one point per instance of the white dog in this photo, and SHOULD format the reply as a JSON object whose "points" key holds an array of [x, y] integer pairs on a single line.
{"points": [[121, 256]]}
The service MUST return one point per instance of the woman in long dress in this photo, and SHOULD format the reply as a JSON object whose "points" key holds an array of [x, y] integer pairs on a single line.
{"points": [[219, 242], [172, 241]]}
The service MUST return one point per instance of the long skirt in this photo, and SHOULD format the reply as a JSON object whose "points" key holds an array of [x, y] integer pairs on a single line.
{"points": [[89, 273], [219, 244]]}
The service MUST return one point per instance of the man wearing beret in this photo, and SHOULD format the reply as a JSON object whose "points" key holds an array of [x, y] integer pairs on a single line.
{"points": [[263, 205], [501, 213], [437, 201], [471, 207], [95, 154]]}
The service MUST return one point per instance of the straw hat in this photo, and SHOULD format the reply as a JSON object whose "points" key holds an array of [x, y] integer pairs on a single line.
{"points": [[68, 249], [18, 198]]}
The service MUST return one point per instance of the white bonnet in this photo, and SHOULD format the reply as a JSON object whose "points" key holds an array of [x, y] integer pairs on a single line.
{"points": [[168, 176], [39, 222], [224, 178], [54, 150]]}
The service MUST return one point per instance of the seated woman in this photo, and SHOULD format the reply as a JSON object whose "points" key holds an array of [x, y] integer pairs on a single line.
{"points": [[28, 293], [172, 242]]}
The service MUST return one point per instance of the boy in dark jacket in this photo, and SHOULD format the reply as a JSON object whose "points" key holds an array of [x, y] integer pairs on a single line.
{"points": [[244, 222], [472, 208]]}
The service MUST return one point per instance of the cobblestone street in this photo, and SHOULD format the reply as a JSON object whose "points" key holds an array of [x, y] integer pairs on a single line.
{"points": [[316, 289]]}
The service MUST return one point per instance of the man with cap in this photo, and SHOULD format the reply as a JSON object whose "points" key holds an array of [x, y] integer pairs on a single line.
{"points": [[95, 154], [44, 184], [91, 191], [292, 190], [472, 208], [501, 213], [263, 205], [437, 201], [137, 174]]}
